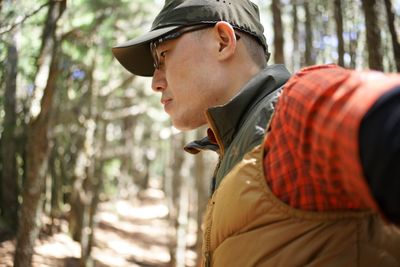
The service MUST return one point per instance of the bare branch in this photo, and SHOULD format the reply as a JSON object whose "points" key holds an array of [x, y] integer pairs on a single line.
{"points": [[25, 18]]}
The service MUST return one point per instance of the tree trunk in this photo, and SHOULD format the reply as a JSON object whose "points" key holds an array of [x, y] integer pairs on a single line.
{"points": [[86, 183], [77, 195], [126, 182], [339, 31], [37, 147], [295, 37], [309, 60], [9, 186], [393, 33], [352, 16], [373, 35], [97, 184], [201, 182], [279, 55], [178, 142], [56, 185], [92, 185]]}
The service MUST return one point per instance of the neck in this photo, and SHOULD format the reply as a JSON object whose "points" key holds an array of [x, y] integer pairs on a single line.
{"points": [[241, 73]]}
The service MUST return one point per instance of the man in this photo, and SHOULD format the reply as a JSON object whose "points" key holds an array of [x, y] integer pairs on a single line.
{"points": [[297, 186]]}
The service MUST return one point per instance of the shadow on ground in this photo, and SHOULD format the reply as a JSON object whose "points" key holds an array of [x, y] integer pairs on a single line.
{"points": [[128, 233]]}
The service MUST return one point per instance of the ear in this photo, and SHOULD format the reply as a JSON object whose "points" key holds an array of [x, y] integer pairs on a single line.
{"points": [[226, 38]]}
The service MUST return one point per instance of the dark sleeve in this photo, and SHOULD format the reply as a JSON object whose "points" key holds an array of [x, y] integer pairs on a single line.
{"points": [[380, 152]]}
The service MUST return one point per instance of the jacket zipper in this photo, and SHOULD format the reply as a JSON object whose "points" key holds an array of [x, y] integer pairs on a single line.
{"points": [[208, 259], [207, 253]]}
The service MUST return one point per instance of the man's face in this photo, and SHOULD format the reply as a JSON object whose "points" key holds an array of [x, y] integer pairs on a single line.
{"points": [[187, 79]]}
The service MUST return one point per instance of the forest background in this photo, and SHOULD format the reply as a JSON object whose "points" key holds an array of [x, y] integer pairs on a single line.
{"points": [[85, 145]]}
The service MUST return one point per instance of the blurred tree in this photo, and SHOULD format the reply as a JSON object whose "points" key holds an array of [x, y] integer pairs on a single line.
{"points": [[202, 188], [55, 185], [339, 31], [38, 142], [395, 40], [295, 36], [85, 182], [373, 35], [175, 183], [309, 60], [279, 55], [353, 32], [9, 177]]}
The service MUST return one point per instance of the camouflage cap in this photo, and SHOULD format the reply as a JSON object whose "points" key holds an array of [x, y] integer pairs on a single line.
{"points": [[243, 15]]}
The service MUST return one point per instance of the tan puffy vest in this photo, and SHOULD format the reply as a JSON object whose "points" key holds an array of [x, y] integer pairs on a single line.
{"points": [[246, 225]]}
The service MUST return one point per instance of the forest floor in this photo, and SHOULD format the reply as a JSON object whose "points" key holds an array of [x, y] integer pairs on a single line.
{"points": [[128, 233]]}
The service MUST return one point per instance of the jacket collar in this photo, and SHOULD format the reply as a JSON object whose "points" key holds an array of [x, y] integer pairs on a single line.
{"points": [[225, 120]]}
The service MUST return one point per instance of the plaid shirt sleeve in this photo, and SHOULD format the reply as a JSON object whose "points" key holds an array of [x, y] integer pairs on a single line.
{"points": [[312, 157]]}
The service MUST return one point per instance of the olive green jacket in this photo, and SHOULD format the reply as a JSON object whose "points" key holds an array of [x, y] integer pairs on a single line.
{"points": [[239, 125]]}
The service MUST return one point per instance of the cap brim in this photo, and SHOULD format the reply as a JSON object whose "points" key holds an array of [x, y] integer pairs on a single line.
{"points": [[135, 54]]}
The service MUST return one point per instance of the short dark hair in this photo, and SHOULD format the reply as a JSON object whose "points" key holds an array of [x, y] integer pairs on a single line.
{"points": [[256, 51]]}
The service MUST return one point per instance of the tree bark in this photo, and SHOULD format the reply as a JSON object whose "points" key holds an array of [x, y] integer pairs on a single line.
{"points": [[295, 37], [86, 184], [126, 182], [279, 55], [56, 185], [96, 185], [37, 147], [91, 187], [202, 195], [178, 142], [352, 9], [373, 35], [9, 186], [309, 36], [339, 31], [393, 33]]}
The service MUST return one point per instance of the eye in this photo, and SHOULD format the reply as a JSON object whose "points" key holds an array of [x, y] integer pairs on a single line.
{"points": [[163, 53], [162, 57]]}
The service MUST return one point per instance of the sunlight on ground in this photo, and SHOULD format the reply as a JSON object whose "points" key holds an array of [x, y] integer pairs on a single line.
{"points": [[141, 235], [156, 208], [50, 251], [112, 250], [61, 246], [142, 212], [128, 234], [123, 253], [6, 258], [149, 229]]}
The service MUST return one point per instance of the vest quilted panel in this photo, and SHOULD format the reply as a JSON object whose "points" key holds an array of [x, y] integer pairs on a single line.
{"points": [[247, 226]]}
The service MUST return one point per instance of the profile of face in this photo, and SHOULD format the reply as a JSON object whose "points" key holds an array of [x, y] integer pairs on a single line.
{"points": [[189, 77]]}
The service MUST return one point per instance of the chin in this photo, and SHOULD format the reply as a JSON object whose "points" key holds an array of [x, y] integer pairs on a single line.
{"points": [[184, 128], [187, 126]]}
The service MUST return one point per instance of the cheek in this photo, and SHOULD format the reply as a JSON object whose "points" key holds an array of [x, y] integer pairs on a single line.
{"points": [[191, 75]]}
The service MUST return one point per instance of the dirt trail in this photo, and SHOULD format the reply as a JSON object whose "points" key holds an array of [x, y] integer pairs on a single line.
{"points": [[128, 234]]}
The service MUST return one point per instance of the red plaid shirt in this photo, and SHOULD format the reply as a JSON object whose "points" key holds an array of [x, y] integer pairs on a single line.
{"points": [[312, 151]]}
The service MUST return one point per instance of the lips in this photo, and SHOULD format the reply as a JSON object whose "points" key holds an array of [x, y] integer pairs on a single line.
{"points": [[165, 102]]}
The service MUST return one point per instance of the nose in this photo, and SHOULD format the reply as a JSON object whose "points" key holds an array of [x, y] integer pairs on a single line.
{"points": [[159, 83]]}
